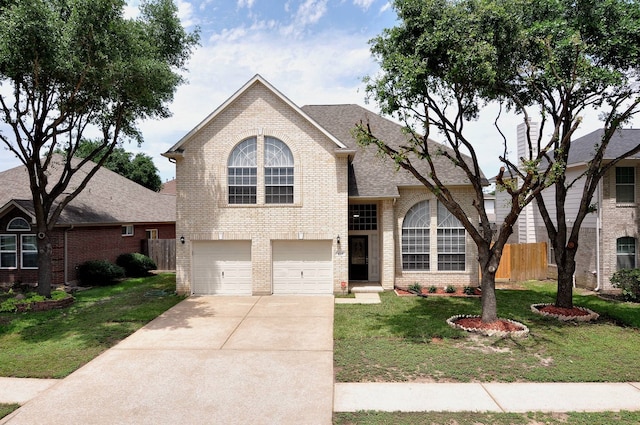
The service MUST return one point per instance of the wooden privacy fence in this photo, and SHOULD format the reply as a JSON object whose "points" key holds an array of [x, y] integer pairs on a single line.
{"points": [[162, 251], [523, 261]]}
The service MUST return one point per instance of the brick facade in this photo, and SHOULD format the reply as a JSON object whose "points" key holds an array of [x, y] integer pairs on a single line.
{"points": [[79, 244]]}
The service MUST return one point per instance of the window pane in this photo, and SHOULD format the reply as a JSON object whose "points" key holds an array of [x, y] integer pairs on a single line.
{"points": [[18, 223], [626, 253], [8, 251], [625, 184], [363, 217], [415, 237]]}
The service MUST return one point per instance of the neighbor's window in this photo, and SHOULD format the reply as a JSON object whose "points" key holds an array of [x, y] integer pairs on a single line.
{"points": [[625, 184], [451, 241], [29, 251], [127, 230], [243, 172], [152, 233], [8, 252], [18, 224], [278, 172], [363, 217], [626, 253], [415, 237]]}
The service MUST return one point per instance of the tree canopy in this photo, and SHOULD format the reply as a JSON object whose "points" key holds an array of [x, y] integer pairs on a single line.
{"points": [[446, 60], [72, 67]]}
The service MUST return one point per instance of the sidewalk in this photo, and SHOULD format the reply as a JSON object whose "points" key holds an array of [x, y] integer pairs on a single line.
{"points": [[493, 397]]}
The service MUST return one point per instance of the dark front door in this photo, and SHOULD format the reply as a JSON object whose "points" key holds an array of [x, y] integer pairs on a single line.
{"points": [[358, 257]]}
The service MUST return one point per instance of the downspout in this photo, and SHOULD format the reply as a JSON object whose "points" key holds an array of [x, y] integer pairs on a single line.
{"points": [[598, 223], [66, 254]]}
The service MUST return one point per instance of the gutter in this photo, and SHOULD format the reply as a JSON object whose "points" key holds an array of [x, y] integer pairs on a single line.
{"points": [[598, 224], [66, 253]]}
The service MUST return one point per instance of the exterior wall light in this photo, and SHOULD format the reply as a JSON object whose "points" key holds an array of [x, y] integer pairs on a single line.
{"points": [[182, 240]]}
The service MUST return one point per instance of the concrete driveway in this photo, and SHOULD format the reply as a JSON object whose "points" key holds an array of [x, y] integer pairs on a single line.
{"points": [[208, 360]]}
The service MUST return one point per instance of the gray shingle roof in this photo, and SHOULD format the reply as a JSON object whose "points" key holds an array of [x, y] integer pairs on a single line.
{"points": [[108, 198], [369, 174], [583, 148]]}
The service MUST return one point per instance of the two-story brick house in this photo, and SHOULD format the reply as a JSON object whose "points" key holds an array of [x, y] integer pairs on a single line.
{"points": [[277, 199]]}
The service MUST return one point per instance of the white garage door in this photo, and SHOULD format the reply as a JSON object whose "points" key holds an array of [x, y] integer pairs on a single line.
{"points": [[302, 267], [222, 267]]}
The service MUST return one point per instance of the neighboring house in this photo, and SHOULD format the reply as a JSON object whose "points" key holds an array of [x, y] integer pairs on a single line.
{"points": [[609, 236], [277, 199], [111, 216]]}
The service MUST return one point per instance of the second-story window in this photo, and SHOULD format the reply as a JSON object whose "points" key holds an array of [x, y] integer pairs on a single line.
{"points": [[278, 172], [243, 173]]}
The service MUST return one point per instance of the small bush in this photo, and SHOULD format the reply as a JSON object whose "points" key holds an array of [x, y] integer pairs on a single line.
{"points": [[136, 264], [99, 273], [469, 290], [432, 289], [416, 288], [629, 281], [450, 289]]}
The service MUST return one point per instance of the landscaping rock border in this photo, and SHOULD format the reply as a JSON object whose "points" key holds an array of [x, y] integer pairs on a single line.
{"points": [[487, 331], [44, 305], [588, 317]]}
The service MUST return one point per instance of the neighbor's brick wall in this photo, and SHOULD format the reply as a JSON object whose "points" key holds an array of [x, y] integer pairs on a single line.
{"points": [[469, 277], [320, 194]]}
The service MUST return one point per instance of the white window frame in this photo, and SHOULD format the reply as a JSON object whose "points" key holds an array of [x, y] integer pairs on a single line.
{"points": [[279, 172], [242, 173], [5, 251], [450, 229], [632, 184], [24, 251], [632, 255], [416, 226], [127, 230], [12, 225]]}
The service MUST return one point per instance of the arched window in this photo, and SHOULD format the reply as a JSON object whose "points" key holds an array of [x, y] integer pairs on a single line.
{"points": [[278, 172], [626, 253], [242, 172], [451, 241], [18, 224], [415, 237]]}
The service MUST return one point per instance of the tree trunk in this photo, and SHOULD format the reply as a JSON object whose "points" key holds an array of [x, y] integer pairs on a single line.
{"points": [[45, 267], [489, 266], [564, 296]]}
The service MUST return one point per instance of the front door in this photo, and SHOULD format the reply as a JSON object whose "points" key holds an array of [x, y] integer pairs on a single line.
{"points": [[358, 257]]}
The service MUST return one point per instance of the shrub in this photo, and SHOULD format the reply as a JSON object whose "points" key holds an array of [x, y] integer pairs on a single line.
{"points": [[450, 289], [415, 288], [468, 290], [629, 281], [136, 264], [99, 273], [432, 289]]}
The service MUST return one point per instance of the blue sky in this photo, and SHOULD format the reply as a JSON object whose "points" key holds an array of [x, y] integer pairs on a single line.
{"points": [[313, 51]]}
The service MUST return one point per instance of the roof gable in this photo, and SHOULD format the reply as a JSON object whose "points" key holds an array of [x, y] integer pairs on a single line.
{"points": [[623, 140], [257, 79], [108, 198]]}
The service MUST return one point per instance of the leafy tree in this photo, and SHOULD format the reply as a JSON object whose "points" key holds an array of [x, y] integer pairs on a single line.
{"points": [[446, 59], [139, 168], [588, 56], [75, 66]]}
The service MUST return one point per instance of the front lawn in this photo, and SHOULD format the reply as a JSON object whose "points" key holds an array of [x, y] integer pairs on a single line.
{"points": [[54, 343], [407, 339]]}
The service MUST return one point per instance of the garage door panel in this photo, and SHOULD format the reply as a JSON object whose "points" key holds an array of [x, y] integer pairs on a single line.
{"points": [[222, 267], [302, 267]]}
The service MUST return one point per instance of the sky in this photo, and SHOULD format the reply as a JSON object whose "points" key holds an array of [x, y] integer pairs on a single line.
{"points": [[313, 51]]}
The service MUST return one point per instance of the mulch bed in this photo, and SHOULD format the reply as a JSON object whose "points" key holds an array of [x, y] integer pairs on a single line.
{"points": [[439, 292], [500, 327], [579, 314]]}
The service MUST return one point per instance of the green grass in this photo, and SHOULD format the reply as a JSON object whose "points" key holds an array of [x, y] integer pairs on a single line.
{"points": [[5, 409], [473, 418], [54, 343], [407, 339]]}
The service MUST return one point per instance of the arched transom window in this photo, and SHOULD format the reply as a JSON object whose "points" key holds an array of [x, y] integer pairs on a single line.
{"points": [[278, 172], [415, 237], [242, 172], [451, 241], [18, 224]]}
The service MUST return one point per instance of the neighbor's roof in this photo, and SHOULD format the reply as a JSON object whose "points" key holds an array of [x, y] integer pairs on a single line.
{"points": [[109, 198], [623, 140], [371, 175]]}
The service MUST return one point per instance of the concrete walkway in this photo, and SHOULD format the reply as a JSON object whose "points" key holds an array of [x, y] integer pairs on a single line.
{"points": [[262, 360], [222, 360]]}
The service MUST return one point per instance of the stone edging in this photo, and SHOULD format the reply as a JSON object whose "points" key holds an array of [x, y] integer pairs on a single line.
{"points": [[592, 315], [451, 321], [44, 305]]}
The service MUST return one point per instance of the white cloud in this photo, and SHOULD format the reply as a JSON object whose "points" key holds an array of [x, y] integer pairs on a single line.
{"points": [[245, 3], [309, 13], [385, 7], [363, 4]]}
